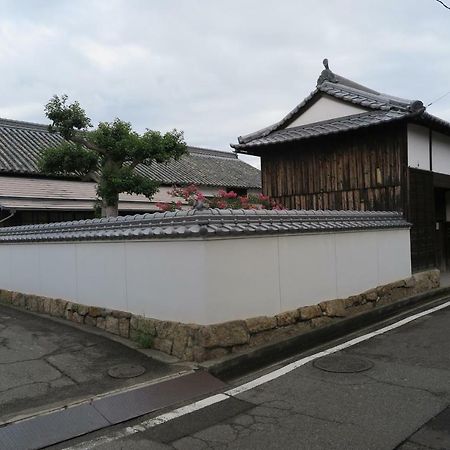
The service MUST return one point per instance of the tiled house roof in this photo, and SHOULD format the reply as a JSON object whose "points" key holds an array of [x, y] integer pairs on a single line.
{"points": [[326, 127], [21, 144], [381, 108]]}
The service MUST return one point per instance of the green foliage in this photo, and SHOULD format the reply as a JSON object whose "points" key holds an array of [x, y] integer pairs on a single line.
{"points": [[68, 158], [109, 153], [66, 119], [144, 340]]}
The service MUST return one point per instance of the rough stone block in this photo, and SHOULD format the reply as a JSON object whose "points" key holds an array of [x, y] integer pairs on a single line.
{"points": [[224, 334], [371, 296], [95, 311], [89, 320], [58, 307], [164, 329], [188, 354], [410, 282], [77, 318], [124, 327], [278, 334], [261, 323], [357, 309], [216, 353], [163, 345], [47, 305], [183, 336], [5, 296], [101, 323], [82, 310], [353, 300], [18, 299], [319, 322], [112, 325], [287, 318], [309, 312], [240, 348], [333, 308], [199, 354], [144, 325], [120, 314], [302, 327]]}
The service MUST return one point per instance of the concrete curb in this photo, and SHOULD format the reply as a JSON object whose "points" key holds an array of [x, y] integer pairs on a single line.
{"points": [[240, 364]]}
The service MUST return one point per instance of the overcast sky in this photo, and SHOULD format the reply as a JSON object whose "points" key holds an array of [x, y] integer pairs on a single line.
{"points": [[215, 69]]}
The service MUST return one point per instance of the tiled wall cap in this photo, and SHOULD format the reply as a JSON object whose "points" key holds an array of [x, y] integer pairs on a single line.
{"points": [[204, 223]]}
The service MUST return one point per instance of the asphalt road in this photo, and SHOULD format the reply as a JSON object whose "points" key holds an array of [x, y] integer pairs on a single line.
{"points": [[45, 364], [400, 402]]}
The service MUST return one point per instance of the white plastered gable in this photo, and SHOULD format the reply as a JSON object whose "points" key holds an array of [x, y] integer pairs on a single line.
{"points": [[326, 108]]}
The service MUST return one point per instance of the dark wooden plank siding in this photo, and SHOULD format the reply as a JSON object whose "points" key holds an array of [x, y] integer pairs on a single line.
{"points": [[358, 171], [421, 213]]}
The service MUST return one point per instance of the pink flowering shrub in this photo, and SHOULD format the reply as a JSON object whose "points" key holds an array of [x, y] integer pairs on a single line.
{"points": [[222, 200]]}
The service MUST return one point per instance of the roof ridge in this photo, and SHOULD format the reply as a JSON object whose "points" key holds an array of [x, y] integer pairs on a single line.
{"points": [[387, 99], [328, 83], [211, 152], [22, 124], [341, 119]]}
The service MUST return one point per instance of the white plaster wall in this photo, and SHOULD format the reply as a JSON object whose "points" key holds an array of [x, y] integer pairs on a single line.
{"points": [[418, 147], [324, 109], [242, 278], [208, 281], [307, 269], [441, 153]]}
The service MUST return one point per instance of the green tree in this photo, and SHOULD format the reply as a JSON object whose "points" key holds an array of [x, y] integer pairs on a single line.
{"points": [[107, 154]]}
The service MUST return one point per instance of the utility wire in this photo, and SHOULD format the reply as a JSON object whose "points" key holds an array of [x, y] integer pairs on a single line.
{"points": [[443, 4], [439, 98]]}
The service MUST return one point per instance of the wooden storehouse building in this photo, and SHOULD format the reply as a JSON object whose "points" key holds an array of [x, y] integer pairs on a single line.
{"points": [[349, 147], [28, 196]]}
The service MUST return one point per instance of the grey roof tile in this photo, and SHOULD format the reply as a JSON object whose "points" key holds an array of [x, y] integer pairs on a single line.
{"points": [[332, 126], [203, 223], [347, 90], [21, 144]]}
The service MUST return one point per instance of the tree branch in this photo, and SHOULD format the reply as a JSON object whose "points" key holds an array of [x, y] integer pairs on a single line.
{"points": [[87, 144]]}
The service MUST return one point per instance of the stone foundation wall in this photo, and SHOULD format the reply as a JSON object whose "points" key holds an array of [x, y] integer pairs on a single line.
{"points": [[193, 342]]}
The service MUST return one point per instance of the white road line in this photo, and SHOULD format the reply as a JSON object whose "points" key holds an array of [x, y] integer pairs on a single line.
{"points": [[301, 362], [163, 418], [204, 403]]}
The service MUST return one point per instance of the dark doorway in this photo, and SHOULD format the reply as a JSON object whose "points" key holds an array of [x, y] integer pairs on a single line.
{"points": [[442, 229]]}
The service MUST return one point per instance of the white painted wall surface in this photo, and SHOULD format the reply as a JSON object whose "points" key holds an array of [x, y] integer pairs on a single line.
{"points": [[441, 153], [324, 109], [418, 147], [208, 281]]}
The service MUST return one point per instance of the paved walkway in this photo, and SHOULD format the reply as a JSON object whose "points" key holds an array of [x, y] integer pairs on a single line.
{"points": [[45, 363], [401, 402]]}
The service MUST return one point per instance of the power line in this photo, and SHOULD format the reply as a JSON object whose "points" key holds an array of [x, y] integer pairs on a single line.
{"points": [[443, 4], [439, 98]]}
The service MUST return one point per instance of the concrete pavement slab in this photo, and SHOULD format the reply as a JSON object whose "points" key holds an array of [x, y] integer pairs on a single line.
{"points": [[44, 364]]}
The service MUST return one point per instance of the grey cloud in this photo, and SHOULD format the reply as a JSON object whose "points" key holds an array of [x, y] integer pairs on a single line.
{"points": [[214, 69]]}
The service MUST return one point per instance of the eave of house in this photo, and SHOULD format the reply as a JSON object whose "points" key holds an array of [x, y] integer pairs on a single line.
{"points": [[338, 105]]}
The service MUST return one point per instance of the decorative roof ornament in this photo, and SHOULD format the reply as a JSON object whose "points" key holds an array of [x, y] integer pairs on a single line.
{"points": [[327, 74]]}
